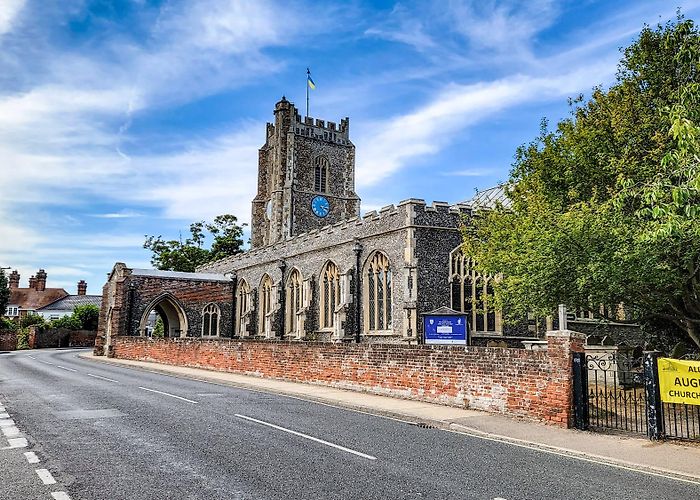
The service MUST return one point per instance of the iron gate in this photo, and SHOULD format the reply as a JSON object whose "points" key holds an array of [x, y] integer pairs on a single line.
{"points": [[620, 392]]}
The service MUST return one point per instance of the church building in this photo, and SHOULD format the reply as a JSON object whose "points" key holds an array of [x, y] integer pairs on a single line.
{"points": [[317, 269]]}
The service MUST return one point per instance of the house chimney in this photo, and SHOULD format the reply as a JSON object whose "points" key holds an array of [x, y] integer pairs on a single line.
{"points": [[32, 282], [41, 280], [14, 279], [82, 287]]}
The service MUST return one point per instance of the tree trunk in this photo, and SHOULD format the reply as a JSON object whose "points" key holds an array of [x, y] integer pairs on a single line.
{"points": [[693, 333]]}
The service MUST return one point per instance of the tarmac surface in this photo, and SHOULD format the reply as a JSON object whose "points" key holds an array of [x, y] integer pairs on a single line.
{"points": [[112, 429]]}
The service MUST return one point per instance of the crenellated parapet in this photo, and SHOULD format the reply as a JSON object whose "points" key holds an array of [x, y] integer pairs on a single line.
{"points": [[408, 213], [323, 130]]}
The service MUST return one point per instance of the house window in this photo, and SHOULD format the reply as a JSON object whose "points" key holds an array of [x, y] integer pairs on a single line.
{"points": [[472, 293], [265, 300], [210, 321], [12, 311], [321, 167], [377, 294], [294, 300], [243, 306], [330, 294]]}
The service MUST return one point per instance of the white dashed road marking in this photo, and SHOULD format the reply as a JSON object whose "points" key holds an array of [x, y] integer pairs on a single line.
{"points": [[64, 368], [31, 457], [305, 436], [103, 378], [11, 431], [6, 422], [45, 476], [45, 362], [17, 443], [60, 495], [4, 415], [168, 394]]}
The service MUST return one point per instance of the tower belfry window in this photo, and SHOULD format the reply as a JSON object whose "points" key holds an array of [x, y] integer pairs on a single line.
{"points": [[321, 167]]}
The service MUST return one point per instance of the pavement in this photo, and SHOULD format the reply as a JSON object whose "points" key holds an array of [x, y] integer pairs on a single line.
{"points": [[672, 458]]}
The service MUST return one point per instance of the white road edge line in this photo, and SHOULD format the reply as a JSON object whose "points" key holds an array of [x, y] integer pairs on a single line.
{"points": [[31, 457], [64, 368], [167, 394], [306, 436], [103, 378], [60, 495], [45, 476]]}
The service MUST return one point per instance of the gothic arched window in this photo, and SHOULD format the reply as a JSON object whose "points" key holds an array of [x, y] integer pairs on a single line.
{"points": [[330, 294], [210, 320], [265, 306], [243, 306], [294, 300], [321, 167], [377, 293], [471, 293]]}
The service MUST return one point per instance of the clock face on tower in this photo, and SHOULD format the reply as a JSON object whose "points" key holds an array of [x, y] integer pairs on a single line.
{"points": [[320, 206]]}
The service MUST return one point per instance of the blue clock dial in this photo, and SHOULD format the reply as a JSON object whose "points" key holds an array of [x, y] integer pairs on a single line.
{"points": [[320, 206]]}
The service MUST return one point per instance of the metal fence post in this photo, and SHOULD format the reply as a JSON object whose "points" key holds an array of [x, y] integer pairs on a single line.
{"points": [[655, 421], [580, 388]]}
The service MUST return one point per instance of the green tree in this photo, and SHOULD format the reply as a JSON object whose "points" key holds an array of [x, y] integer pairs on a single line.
{"points": [[159, 328], [187, 255], [4, 292], [606, 208], [87, 316]]}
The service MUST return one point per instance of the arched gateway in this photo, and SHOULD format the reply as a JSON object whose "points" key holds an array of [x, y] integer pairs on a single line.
{"points": [[183, 301]]}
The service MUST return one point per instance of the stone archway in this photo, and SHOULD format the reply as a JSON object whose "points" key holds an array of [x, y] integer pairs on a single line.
{"points": [[171, 313]]}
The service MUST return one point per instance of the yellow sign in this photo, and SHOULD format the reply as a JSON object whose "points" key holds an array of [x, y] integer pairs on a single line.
{"points": [[679, 381]]}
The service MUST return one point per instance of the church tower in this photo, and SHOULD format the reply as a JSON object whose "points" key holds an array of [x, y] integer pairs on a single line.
{"points": [[306, 177]]}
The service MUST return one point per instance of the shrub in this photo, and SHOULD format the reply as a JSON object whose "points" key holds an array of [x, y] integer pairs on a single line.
{"points": [[87, 316], [68, 322], [32, 319], [23, 339], [7, 324]]}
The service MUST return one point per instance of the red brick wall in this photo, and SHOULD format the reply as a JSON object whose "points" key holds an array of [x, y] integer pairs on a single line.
{"points": [[8, 341], [533, 384]]}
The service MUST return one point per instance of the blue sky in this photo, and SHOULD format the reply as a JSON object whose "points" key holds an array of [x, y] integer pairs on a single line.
{"points": [[125, 118]]}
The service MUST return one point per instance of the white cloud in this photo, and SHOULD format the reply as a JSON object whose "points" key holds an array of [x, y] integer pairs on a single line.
{"points": [[470, 172], [502, 26], [9, 9], [387, 146]]}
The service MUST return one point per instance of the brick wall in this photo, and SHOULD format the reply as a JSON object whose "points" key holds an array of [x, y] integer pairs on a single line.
{"points": [[532, 384], [8, 341]]}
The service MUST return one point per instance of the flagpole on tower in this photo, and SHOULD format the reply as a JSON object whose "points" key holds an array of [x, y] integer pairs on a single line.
{"points": [[308, 77]]}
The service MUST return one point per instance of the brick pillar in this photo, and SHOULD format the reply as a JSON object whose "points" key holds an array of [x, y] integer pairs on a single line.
{"points": [[559, 394]]}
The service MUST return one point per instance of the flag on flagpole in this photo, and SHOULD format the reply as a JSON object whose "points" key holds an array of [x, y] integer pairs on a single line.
{"points": [[311, 83]]}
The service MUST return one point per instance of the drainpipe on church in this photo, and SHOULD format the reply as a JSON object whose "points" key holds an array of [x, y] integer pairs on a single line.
{"points": [[283, 311], [357, 248]]}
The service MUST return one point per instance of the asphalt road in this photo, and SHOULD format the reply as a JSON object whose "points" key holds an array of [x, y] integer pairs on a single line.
{"points": [[109, 432]]}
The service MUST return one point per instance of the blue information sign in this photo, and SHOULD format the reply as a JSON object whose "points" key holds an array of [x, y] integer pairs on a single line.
{"points": [[445, 329]]}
